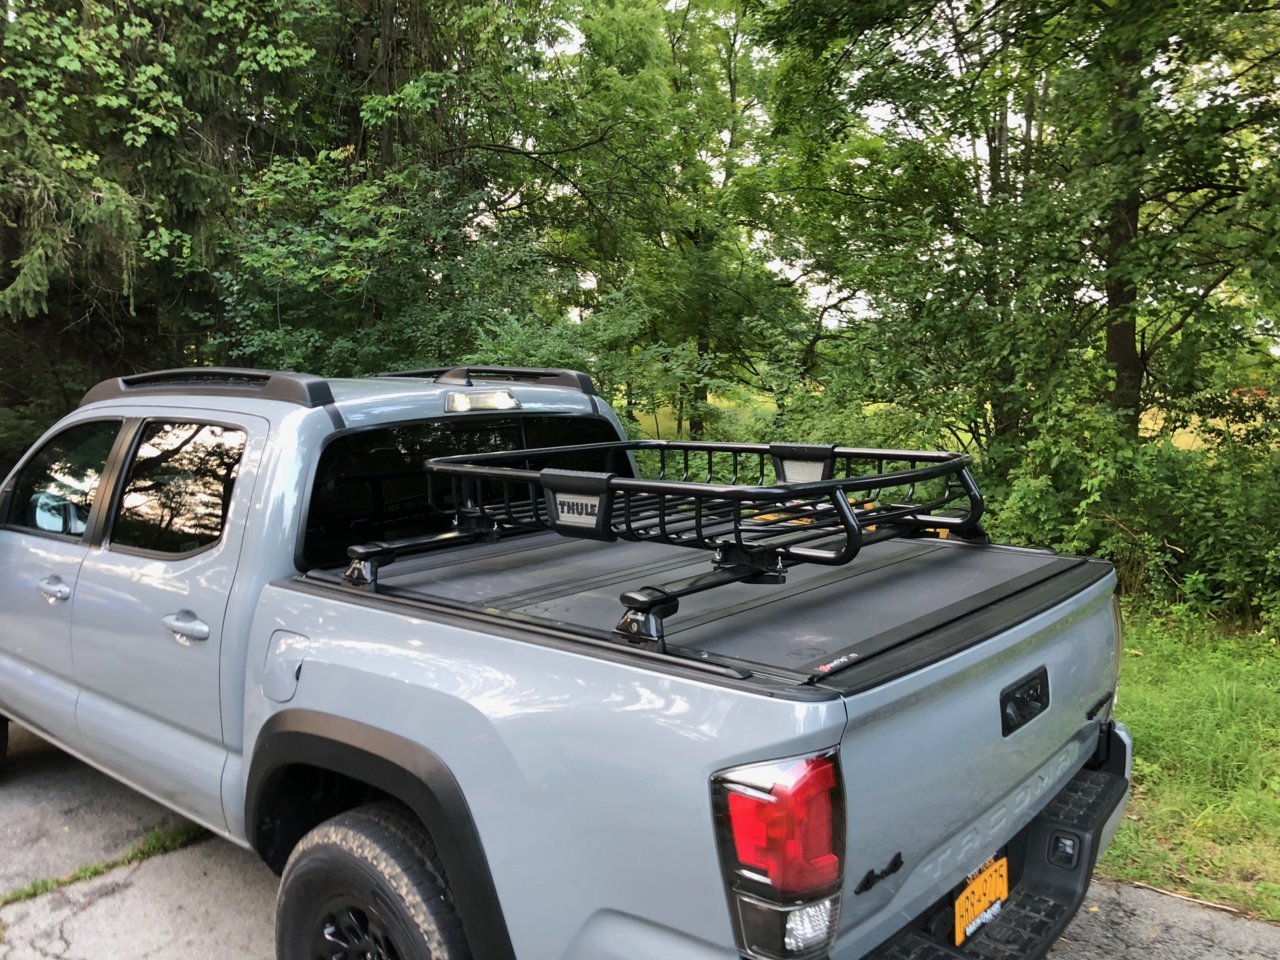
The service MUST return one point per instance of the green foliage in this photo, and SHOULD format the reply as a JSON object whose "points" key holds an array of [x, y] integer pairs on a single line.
{"points": [[1051, 202], [1186, 526], [1047, 233], [1185, 513], [123, 126], [1046, 236], [406, 270]]}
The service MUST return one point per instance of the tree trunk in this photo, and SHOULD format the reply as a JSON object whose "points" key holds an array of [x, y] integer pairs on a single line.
{"points": [[361, 59], [1125, 397], [387, 67], [697, 410]]}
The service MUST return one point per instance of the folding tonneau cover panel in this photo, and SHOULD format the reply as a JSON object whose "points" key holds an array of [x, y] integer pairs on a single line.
{"points": [[821, 621]]}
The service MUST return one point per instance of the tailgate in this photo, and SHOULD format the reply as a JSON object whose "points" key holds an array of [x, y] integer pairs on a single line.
{"points": [[935, 781]]}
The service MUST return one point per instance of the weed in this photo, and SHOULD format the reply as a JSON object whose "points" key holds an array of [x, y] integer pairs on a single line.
{"points": [[158, 841]]}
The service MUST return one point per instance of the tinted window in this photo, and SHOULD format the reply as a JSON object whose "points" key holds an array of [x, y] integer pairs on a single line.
{"points": [[179, 485], [371, 485], [55, 490]]}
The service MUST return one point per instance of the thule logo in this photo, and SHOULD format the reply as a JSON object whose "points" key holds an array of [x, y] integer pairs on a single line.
{"points": [[577, 511], [875, 876]]}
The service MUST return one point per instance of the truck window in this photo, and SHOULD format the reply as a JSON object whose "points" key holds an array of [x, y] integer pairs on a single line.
{"points": [[370, 484], [178, 488], [55, 490]]}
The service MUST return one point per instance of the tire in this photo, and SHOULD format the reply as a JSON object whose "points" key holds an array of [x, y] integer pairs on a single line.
{"points": [[4, 743], [366, 886]]}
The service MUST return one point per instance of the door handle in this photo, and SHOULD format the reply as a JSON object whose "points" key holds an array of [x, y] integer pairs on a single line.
{"points": [[186, 626], [53, 588]]}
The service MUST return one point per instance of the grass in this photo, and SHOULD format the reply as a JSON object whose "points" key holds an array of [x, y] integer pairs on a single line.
{"points": [[155, 843], [1203, 702]]}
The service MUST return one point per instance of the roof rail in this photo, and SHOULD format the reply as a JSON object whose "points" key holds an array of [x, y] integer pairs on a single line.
{"points": [[301, 388], [464, 376]]}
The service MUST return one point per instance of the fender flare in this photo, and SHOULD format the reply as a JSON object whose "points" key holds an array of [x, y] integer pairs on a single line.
{"points": [[410, 773]]}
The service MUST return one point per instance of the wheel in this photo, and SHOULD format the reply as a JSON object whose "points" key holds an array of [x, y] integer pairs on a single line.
{"points": [[366, 886], [4, 742]]}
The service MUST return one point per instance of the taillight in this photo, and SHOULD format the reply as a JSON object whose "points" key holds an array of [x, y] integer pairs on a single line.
{"points": [[781, 833]]}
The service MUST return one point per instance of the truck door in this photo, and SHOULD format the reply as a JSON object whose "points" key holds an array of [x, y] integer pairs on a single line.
{"points": [[46, 513], [148, 614]]}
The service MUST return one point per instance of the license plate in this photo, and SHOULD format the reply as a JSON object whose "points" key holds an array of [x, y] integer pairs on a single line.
{"points": [[980, 900]]}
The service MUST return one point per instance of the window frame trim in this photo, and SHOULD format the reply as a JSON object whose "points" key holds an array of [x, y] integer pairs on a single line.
{"points": [[103, 534], [103, 493]]}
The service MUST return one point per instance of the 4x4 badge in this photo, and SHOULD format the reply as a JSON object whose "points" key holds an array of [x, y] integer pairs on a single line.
{"points": [[873, 877]]}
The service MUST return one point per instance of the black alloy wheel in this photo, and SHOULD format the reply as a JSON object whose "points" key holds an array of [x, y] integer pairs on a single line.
{"points": [[352, 931]]}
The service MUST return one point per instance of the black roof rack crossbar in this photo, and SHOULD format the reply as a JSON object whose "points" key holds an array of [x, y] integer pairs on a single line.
{"points": [[299, 388], [464, 376]]}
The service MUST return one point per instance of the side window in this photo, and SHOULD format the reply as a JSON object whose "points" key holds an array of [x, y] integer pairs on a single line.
{"points": [[55, 491], [178, 487]]}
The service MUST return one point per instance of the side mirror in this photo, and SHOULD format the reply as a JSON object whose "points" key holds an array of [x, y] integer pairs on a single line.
{"points": [[52, 514]]}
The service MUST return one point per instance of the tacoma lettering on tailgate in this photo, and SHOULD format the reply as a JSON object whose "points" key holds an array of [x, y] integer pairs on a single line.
{"points": [[994, 827]]}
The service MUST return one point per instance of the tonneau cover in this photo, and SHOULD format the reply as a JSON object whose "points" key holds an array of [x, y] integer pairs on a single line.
{"points": [[821, 621]]}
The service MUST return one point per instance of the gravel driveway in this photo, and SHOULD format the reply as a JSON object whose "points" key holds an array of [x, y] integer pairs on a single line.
{"points": [[56, 815]]}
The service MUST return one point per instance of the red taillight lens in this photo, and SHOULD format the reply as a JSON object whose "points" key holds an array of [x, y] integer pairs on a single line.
{"points": [[780, 828], [788, 835]]}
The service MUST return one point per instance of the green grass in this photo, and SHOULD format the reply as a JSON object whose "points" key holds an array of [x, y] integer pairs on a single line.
{"points": [[162, 840], [1203, 702]]}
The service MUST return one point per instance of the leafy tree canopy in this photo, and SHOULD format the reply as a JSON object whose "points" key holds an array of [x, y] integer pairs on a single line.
{"points": [[1042, 230]]}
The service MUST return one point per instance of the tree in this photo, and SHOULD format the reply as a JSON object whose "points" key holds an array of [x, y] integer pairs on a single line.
{"points": [[124, 126], [1054, 221], [656, 130], [1043, 186]]}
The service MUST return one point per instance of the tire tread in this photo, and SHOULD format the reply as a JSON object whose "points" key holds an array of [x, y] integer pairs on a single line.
{"points": [[389, 839]]}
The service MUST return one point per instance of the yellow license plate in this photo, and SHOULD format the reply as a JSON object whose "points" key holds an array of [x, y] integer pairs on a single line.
{"points": [[980, 900]]}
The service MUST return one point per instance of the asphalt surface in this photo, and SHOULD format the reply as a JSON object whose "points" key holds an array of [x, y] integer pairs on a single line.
{"points": [[213, 898]]}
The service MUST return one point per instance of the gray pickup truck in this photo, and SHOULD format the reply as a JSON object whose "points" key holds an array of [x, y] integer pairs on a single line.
{"points": [[481, 678]]}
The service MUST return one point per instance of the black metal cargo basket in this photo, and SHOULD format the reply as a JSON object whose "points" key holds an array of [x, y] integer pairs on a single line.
{"points": [[764, 506]]}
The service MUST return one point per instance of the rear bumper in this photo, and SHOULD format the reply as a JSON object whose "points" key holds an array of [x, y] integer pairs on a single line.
{"points": [[1044, 895], [1123, 766]]}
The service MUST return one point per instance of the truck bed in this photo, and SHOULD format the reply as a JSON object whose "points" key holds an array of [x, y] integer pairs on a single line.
{"points": [[823, 624]]}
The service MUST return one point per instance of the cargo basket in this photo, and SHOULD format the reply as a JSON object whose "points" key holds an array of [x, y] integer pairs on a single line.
{"points": [[762, 506]]}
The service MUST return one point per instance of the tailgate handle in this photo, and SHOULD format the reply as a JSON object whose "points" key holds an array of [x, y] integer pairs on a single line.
{"points": [[1023, 701]]}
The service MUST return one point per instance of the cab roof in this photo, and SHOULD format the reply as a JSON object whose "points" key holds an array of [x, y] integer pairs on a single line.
{"points": [[357, 399]]}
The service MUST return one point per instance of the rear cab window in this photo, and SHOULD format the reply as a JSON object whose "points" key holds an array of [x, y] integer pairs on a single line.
{"points": [[370, 484], [177, 488]]}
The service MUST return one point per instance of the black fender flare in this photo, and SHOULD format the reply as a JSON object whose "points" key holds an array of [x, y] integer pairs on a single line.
{"points": [[402, 769]]}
